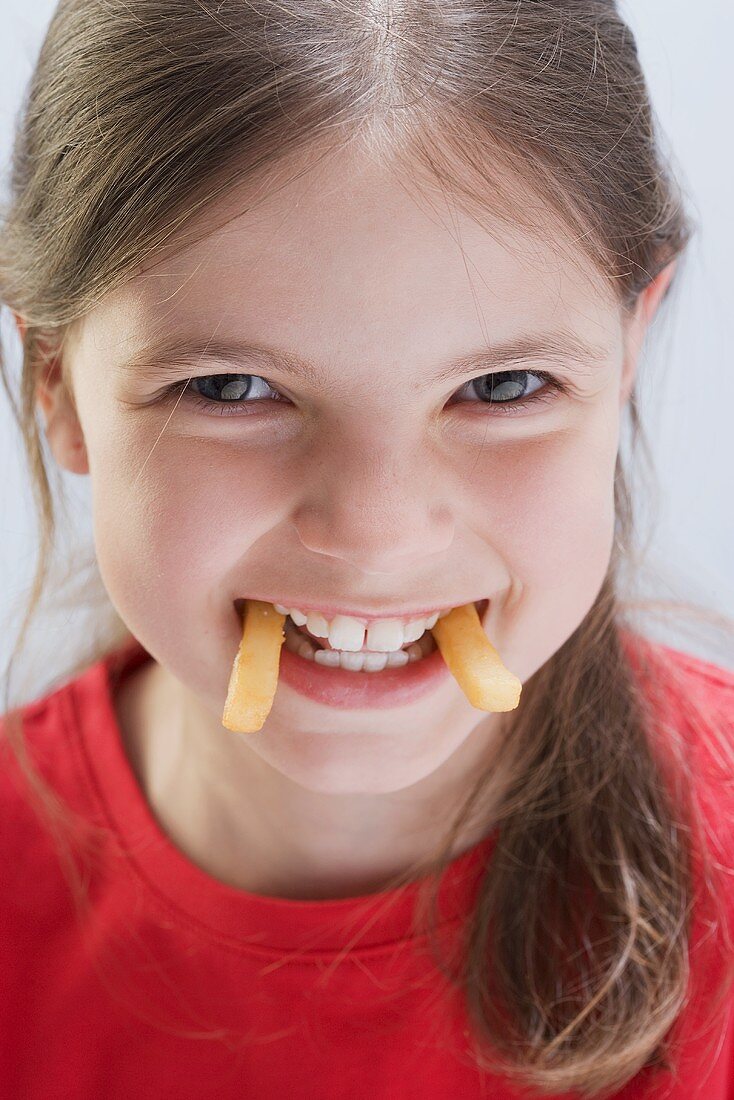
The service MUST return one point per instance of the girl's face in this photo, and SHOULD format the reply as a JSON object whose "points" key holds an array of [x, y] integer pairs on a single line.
{"points": [[374, 478]]}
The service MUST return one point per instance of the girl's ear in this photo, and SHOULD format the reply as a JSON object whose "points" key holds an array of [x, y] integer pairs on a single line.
{"points": [[645, 310], [63, 430], [21, 325]]}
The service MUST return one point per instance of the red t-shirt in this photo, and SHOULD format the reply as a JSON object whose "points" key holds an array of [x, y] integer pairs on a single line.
{"points": [[178, 986]]}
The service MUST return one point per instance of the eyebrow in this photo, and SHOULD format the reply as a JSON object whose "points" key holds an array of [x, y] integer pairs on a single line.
{"points": [[172, 354]]}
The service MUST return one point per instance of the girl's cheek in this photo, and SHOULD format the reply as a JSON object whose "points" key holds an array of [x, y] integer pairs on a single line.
{"points": [[176, 532], [546, 505], [550, 527]]}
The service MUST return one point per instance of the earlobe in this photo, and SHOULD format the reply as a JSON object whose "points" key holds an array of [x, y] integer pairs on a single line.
{"points": [[21, 325], [647, 306], [653, 294], [62, 428], [61, 422]]}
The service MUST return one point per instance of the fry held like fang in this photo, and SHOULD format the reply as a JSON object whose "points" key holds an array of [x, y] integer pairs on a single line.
{"points": [[474, 662], [254, 677]]}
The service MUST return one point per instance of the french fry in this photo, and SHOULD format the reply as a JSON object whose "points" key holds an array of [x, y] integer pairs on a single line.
{"points": [[254, 677], [474, 661]]}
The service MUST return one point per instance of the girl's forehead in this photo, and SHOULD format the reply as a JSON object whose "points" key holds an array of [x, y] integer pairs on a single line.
{"points": [[354, 258], [353, 216]]}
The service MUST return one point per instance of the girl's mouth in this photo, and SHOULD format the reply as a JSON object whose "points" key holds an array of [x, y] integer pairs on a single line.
{"points": [[370, 679], [304, 644]]}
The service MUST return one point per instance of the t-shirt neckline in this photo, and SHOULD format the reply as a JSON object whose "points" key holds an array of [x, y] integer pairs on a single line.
{"points": [[215, 909]]}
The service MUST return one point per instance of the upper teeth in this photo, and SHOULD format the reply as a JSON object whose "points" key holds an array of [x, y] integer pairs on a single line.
{"points": [[345, 632]]}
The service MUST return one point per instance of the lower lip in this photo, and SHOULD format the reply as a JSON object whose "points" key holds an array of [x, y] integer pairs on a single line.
{"points": [[348, 690]]}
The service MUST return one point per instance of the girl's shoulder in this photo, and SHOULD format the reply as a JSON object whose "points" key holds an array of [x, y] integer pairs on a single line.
{"points": [[694, 700], [46, 740], [691, 701], [680, 682], [717, 681], [50, 748], [62, 727]]}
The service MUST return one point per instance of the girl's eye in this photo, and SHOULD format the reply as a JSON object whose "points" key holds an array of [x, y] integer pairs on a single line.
{"points": [[233, 394], [514, 390], [225, 394]]}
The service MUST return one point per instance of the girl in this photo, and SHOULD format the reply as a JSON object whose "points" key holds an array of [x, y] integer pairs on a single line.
{"points": [[340, 308]]}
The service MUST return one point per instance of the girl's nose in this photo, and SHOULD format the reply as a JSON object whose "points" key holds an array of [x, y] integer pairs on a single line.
{"points": [[380, 511]]}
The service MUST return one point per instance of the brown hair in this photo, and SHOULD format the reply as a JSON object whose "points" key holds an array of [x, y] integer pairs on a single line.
{"points": [[575, 963]]}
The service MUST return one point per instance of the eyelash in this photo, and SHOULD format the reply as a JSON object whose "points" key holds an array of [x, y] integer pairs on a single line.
{"points": [[553, 387]]}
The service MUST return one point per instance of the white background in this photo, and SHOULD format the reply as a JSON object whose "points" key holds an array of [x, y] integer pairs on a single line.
{"points": [[687, 373]]}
